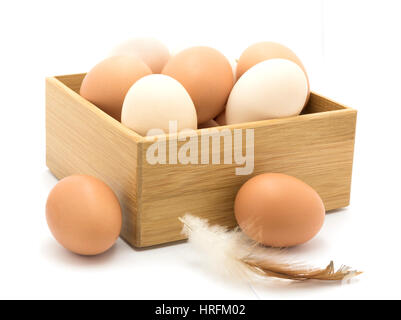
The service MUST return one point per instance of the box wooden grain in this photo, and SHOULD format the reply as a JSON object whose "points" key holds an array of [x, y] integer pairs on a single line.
{"points": [[316, 147]]}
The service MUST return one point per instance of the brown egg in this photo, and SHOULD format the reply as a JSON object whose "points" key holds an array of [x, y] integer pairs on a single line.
{"points": [[279, 210], [207, 76], [208, 124], [109, 81], [84, 215], [151, 51], [221, 118], [262, 51]]}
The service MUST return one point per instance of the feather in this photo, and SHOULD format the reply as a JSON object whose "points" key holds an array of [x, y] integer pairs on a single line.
{"points": [[232, 253]]}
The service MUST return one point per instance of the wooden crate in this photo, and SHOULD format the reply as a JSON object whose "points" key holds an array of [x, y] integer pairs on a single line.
{"points": [[316, 147]]}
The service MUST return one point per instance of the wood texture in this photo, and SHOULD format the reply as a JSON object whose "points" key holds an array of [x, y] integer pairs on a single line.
{"points": [[82, 139], [316, 147]]}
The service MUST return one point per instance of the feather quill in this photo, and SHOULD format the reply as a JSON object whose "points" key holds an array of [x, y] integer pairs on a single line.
{"points": [[234, 254]]}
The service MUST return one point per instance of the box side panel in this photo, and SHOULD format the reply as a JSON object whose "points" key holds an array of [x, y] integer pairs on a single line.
{"points": [[72, 81], [318, 103], [318, 149], [81, 139]]}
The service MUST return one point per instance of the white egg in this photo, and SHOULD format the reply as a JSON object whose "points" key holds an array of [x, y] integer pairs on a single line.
{"points": [[271, 89], [155, 100], [151, 51]]}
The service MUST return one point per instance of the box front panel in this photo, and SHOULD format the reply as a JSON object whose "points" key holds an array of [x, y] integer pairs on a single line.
{"points": [[317, 149]]}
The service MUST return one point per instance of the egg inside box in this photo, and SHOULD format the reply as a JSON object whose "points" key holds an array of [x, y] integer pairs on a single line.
{"points": [[316, 147]]}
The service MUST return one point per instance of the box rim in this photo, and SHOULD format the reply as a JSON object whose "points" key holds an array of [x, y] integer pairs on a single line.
{"points": [[255, 124], [244, 125]]}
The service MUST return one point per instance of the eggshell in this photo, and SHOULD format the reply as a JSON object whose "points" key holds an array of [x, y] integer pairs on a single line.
{"points": [[151, 51], [221, 118], [109, 81], [266, 50], [207, 76], [234, 69], [271, 89], [279, 210], [155, 100], [208, 124], [84, 215]]}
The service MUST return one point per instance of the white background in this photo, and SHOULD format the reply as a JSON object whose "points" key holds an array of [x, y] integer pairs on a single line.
{"points": [[352, 52]]}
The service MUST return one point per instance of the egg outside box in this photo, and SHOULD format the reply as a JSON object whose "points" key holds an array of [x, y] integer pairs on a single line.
{"points": [[316, 147]]}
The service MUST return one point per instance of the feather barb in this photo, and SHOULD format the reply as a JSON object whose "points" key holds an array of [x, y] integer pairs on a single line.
{"points": [[234, 253]]}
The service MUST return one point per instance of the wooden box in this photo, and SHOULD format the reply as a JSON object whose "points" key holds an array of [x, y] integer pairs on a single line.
{"points": [[316, 147]]}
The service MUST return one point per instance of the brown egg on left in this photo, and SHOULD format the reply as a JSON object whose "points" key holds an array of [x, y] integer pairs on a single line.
{"points": [[109, 81]]}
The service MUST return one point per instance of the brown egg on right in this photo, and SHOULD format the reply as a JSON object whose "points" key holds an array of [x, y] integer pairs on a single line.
{"points": [[267, 50], [279, 210]]}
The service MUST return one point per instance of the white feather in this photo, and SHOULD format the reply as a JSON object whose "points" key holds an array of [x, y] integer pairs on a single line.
{"points": [[223, 249], [233, 254]]}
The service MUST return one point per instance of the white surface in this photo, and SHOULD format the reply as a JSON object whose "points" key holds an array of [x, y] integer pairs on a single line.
{"points": [[351, 50]]}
